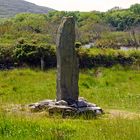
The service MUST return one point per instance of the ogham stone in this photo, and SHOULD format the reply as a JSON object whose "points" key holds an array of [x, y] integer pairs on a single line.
{"points": [[67, 62], [67, 102]]}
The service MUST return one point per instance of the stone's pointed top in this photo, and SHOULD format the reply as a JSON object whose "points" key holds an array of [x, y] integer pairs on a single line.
{"points": [[68, 23], [69, 17], [66, 33]]}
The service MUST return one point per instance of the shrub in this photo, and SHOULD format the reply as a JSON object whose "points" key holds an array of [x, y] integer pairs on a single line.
{"points": [[33, 54], [105, 57], [6, 56]]}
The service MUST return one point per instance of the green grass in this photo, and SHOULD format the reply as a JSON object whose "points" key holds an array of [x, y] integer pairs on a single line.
{"points": [[111, 88], [25, 85], [43, 128], [115, 87]]}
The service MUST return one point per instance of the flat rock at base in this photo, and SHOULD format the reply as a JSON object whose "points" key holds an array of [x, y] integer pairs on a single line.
{"points": [[81, 104], [61, 102], [81, 107], [63, 110], [42, 105], [94, 110], [91, 105]]}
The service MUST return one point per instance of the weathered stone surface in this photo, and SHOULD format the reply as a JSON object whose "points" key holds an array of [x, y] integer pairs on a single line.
{"points": [[82, 103], [63, 110], [67, 61], [61, 102], [80, 107], [42, 105], [91, 105], [95, 110], [82, 99]]}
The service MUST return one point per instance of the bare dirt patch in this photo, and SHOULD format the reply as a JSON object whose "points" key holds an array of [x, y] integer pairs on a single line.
{"points": [[113, 113]]}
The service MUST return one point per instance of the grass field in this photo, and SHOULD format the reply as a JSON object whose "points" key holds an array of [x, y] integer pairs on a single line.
{"points": [[116, 90]]}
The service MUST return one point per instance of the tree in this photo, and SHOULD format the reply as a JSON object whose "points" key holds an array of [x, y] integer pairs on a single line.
{"points": [[135, 35], [135, 8]]}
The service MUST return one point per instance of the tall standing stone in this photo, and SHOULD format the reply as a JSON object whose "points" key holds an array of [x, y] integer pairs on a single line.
{"points": [[67, 61]]}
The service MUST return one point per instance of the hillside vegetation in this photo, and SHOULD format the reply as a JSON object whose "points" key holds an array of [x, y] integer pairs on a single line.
{"points": [[114, 28], [27, 38], [10, 8]]}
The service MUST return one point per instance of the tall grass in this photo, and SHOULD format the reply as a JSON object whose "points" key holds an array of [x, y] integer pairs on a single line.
{"points": [[42, 128], [115, 87]]}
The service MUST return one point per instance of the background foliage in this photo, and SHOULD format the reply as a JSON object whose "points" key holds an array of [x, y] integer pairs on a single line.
{"points": [[26, 38]]}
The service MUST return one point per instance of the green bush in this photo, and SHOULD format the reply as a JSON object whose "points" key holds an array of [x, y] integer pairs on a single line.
{"points": [[32, 54], [6, 56], [106, 57]]}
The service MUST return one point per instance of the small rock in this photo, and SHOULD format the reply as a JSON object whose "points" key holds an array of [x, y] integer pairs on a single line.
{"points": [[34, 109], [46, 102], [61, 102], [42, 105], [81, 104], [82, 98], [91, 105], [94, 110], [74, 105], [99, 112], [62, 110]]}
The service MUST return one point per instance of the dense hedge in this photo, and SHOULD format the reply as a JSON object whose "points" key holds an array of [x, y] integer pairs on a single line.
{"points": [[31, 54], [6, 56], [89, 58]]}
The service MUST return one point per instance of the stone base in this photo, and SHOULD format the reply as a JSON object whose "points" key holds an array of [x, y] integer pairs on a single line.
{"points": [[75, 108]]}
